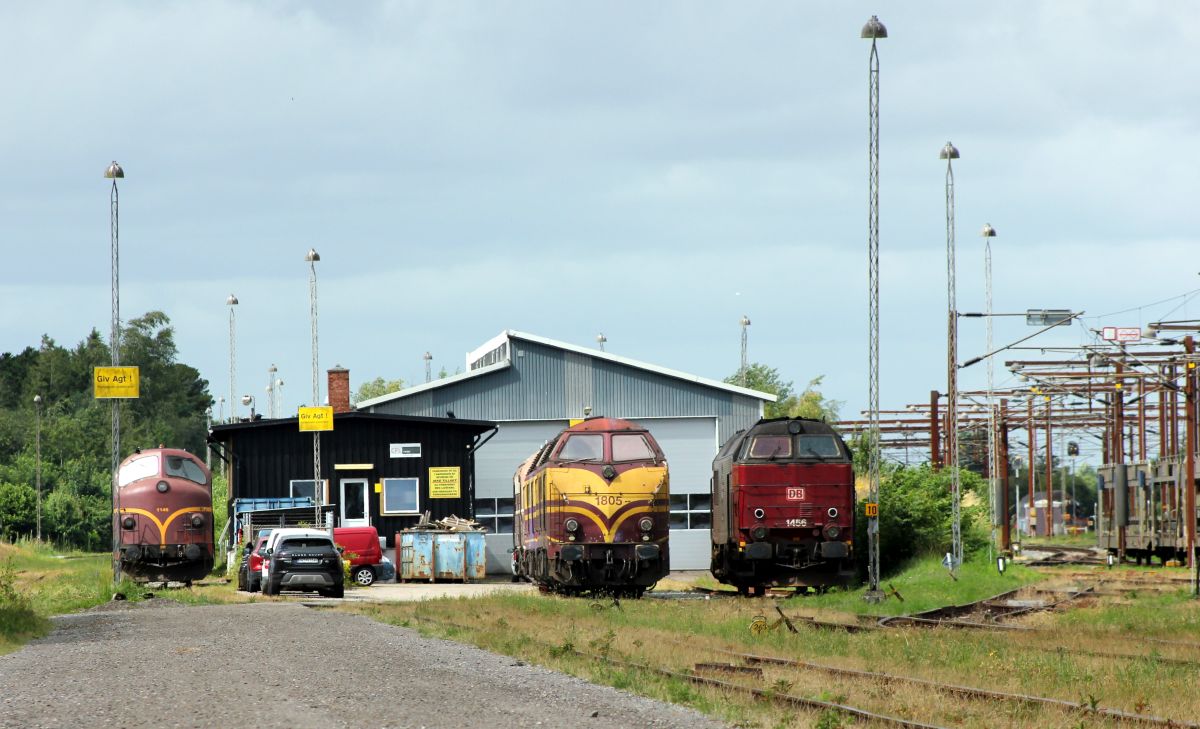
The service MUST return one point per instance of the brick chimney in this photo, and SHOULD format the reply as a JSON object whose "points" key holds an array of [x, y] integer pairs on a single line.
{"points": [[339, 389]]}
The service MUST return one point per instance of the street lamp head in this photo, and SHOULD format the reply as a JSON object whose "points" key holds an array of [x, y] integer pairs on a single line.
{"points": [[948, 152], [114, 171], [272, 369], [37, 399], [427, 356], [312, 256], [232, 300], [247, 399], [601, 338], [745, 320], [988, 231], [221, 400], [874, 29]]}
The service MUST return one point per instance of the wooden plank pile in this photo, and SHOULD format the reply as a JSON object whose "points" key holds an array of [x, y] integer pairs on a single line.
{"points": [[451, 523]]}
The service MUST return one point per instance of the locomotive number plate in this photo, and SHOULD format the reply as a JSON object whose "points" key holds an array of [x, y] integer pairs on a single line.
{"points": [[796, 522], [795, 494], [609, 500]]}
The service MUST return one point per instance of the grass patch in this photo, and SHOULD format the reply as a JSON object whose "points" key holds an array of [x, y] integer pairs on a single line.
{"points": [[1067, 656]]}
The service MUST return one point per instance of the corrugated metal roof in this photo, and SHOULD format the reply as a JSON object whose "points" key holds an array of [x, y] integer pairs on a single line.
{"points": [[596, 354]]}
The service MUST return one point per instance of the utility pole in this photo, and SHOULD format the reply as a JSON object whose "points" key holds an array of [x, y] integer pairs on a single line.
{"points": [[1005, 534], [114, 173], [1048, 527], [950, 153], [1190, 461], [1032, 513], [935, 435], [873, 30], [745, 362]]}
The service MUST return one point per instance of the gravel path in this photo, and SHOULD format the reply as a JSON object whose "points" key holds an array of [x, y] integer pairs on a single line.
{"points": [[160, 664]]}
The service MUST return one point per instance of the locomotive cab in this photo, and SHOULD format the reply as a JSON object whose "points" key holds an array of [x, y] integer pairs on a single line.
{"points": [[783, 507]]}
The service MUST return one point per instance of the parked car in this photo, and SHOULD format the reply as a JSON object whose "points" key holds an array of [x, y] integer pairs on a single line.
{"points": [[273, 540], [252, 565], [243, 575], [304, 562], [360, 545]]}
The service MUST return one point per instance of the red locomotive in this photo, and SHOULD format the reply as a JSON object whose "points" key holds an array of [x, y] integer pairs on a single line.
{"points": [[783, 507], [163, 516]]}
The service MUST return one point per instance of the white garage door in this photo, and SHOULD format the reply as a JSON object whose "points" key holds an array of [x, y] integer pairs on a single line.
{"points": [[690, 445]]}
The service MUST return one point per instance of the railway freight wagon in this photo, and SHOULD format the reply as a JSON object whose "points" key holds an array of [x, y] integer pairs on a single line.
{"points": [[1140, 510], [783, 507], [163, 516], [591, 511]]}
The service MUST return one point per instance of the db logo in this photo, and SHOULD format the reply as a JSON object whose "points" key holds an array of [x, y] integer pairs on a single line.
{"points": [[795, 494]]}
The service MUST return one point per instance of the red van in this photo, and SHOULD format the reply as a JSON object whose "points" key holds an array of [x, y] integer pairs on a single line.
{"points": [[360, 547]]}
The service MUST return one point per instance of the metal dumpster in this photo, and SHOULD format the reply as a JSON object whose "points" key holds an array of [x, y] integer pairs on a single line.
{"points": [[432, 555]]}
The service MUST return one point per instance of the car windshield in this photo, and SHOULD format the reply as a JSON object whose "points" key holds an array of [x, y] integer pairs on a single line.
{"points": [[181, 467], [821, 446], [588, 447], [631, 448], [305, 543]]}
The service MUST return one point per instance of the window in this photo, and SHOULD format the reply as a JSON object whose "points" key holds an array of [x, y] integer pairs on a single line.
{"points": [[691, 511], [185, 468], [582, 448], [400, 496], [303, 489], [631, 448], [495, 514], [820, 446], [771, 446], [499, 354], [145, 467], [304, 543]]}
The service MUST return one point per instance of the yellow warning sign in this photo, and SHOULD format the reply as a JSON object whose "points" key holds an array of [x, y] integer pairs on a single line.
{"points": [[445, 482], [114, 382], [319, 418], [871, 508]]}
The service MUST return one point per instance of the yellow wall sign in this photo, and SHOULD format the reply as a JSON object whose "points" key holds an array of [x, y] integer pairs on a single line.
{"points": [[316, 418], [112, 382], [445, 482], [872, 509]]}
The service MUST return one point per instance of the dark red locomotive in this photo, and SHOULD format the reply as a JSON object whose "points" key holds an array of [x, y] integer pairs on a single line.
{"points": [[162, 516], [783, 507]]}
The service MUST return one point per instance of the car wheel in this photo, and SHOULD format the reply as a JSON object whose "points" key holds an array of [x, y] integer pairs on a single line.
{"points": [[364, 576], [271, 587], [339, 591]]}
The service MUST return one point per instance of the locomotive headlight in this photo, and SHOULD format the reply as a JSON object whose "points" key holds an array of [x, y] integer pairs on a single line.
{"points": [[163, 487], [759, 533], [645, 523], [833, 512], [571, 525], [833, 531], [609, 472], [759, 513], [128, 522], [197, 521]]}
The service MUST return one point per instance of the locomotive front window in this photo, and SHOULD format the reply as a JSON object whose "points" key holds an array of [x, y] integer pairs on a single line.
{"points": [[146, 467], [819, 446], [631, 448], [588, 447], [771, 446], [185, 468]]}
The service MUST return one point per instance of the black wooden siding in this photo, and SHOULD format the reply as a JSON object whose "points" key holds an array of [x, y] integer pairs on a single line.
{"points": [[267, 455]]}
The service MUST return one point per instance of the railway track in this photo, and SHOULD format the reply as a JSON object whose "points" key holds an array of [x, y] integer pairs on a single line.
{"points": [[751, 662]]}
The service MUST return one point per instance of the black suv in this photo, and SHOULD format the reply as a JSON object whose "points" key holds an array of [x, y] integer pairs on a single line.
{"points": [[305, 563]]}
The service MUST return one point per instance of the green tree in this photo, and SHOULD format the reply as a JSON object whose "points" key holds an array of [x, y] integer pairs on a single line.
{"points": [[18, 510], [808, 404], [375, 388]]}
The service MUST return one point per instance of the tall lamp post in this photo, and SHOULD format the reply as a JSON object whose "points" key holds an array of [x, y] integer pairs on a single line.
{"points": [[428, 366], [271, 390], [114, 173], [873, 30], [232, 302], [950, 153], [745, 340], [600, 340], [37, 409], [318, 493], [998, 510]]}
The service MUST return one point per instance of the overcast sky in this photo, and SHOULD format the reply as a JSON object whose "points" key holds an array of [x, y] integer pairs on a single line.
{"points": [[649, 170]]}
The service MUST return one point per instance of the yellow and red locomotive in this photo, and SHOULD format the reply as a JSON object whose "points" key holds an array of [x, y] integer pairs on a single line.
{"points": [[162, 516], [783, 507], [591, 511]]}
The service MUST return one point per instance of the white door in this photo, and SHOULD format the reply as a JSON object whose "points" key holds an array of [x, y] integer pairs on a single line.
{"points": [[353, 504]]}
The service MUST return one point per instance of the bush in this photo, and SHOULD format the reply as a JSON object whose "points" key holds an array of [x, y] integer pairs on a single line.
{"points": [[915, 516]]}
